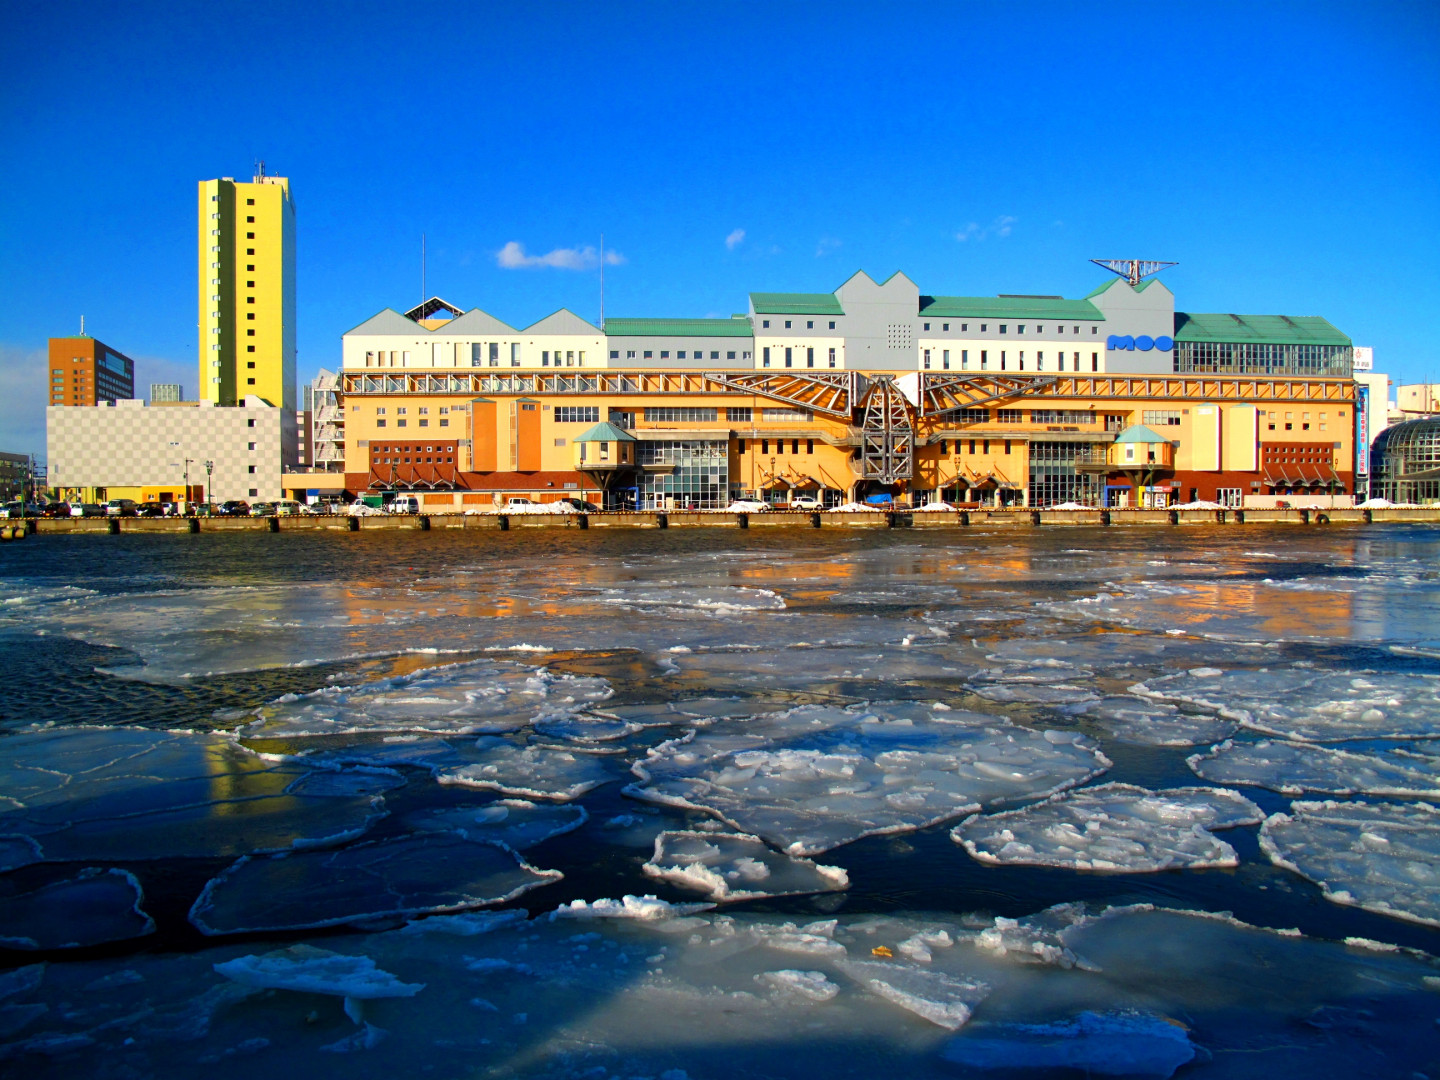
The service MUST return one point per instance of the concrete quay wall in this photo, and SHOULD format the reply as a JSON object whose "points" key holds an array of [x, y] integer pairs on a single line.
{"points": [[1009, 518]]}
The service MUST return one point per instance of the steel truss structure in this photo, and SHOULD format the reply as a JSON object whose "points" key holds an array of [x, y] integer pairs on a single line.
{"points": [[835, 394], [941, 394], [1133, 270], [887, 434]]}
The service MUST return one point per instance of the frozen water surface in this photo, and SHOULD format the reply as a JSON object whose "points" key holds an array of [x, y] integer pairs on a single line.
{"points": [[1154, 723], [817, 777], [514, 823], [1116, 827], [1293, 768], [406, 876], [97, 793], [802, 668], [1114, 1044], [1383, 856], [535, 770], [1309, 703], [484, 695], [92, 908], [729, 867]]}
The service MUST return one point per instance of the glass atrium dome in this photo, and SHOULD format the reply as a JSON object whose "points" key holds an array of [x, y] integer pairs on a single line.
{"points": [[1405, 460]]}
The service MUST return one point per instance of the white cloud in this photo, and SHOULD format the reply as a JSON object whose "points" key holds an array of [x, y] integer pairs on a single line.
{"points": [[1000, 228], [513, 257], [826, 245], [23, 379], [735, 239]]}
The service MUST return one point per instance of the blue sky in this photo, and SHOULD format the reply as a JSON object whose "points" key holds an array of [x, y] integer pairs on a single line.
{"points": [[1286, 155]]}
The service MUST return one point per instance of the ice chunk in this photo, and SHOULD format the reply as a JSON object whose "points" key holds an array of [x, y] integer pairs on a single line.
{"points": [[129, 793], [410, 875], [714, 599], [480, 696], [536, 770], [1293, 767], [1380, 856], [1154, 723], [811, 985], [802, 668], [18, 851], [816, 777], [21, 980], [1109, 1044], [309, 970], [515, 823], [91, 908], [467, 923], [1310, 704], [1034, 693], [366, 1038], [1115, 827], [647, 908], [589, 727], [729, 867], [944, 1000]]}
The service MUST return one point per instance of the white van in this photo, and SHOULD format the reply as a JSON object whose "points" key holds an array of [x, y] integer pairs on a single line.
{"points": [[405, 504]]}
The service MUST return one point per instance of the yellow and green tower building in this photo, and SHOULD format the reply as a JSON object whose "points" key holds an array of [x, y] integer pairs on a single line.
{"points": [[247, 290]]}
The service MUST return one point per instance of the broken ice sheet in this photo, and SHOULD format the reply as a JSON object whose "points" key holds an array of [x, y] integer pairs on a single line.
{"points": [[1293, 768], [308, 970], [942, 999], [410, 875], [725, 866], [516, 823], [816, 777], [1031, 693], [1382, 856], [480, 696], [1153, 723], [1114, 827], [801, 668], [1127, 1043], [1311, 704], [534, 770], [91, 908], [18, 851], [130, 793]]}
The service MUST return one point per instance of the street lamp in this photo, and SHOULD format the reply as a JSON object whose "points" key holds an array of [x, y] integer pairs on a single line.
{"points": [[209, 497]]}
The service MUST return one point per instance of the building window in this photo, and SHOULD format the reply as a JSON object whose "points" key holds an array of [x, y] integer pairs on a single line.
{"points": [[680, 415], [251, 468], [809, 446], [615, 354], [810, 324], [1160, 417], [250, 220], [680, 355], [787, 324], [248, 202], [254, 492], [648, 354], [1094, 361], [424, 423], [788, 352], [927, 360], [739, 414], [832, 324], [809, 357], [1008, 416], [249, 423], [399, 423], [765, 323], [945, 359], [664, 354], [778, 416], [379, 423], [444, 422], [577, 414], [832, 357], [249, 382], [766, 354], [630, 354], [250, 446]]}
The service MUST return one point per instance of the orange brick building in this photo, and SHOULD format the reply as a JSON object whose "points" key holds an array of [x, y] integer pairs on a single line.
{"points": [[84, 371]]}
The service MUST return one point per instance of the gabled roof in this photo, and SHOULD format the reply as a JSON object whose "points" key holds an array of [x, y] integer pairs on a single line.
{"points": [[387, 321], [1258, 329], [678, 327], [428, 308], [1008, 307], [1139, 433], [606, 432], [563, 321], [795, 303], [475, 321], [1116, 281]]}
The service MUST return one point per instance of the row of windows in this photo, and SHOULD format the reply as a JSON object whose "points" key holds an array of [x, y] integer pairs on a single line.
{"points": [[1005, 328], [1250, 359], [697, 354], [790, 357], [681, 415], [809, 324], [930, 362], [1061, 416], [577, 414], [779, 444], [437, 460], [402, 422]]}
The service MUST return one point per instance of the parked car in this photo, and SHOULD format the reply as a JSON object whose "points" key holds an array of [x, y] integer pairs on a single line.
{"points": [[748, 506], [405, 504], [120, 508], [56, 510], [806, 502], [150, 509], [519, 503], [233, 508], [581, 506], [262, 509], [286, 507], [84, 510]]}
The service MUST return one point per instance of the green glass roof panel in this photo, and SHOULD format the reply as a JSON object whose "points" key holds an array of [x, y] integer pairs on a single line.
{"points": [[1007, 307], [795, 303], [605, 432], [1257, 329], [1139, 433], [677, 328]]}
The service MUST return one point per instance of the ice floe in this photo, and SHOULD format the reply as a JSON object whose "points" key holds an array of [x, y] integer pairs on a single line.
{"points": [[799, 669], [1295, 767], [1384, 857], [1311, 704], [1154, 723], [647, 908], [91, 908], [481, 696], [1110, 1044], [726, 866], [308, 970], [516, 823], [942, 999], [817, 777], [128, 793], [410, 875], [1113, 827], [535, 770]]}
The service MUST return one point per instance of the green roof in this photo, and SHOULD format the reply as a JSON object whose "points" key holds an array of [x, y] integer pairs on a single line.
{"points": [[606, 432], [1105, 285], [1258, 329], [1139, 433], [795, 303], [1007, 307], [677, 327]]}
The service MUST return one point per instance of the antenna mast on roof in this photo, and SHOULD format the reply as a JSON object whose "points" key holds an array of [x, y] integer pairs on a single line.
{"points": [[1133, 270], [259, 171]]}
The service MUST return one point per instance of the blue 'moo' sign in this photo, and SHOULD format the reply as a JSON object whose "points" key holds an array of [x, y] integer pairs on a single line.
{"points": [[1143, 343]]}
